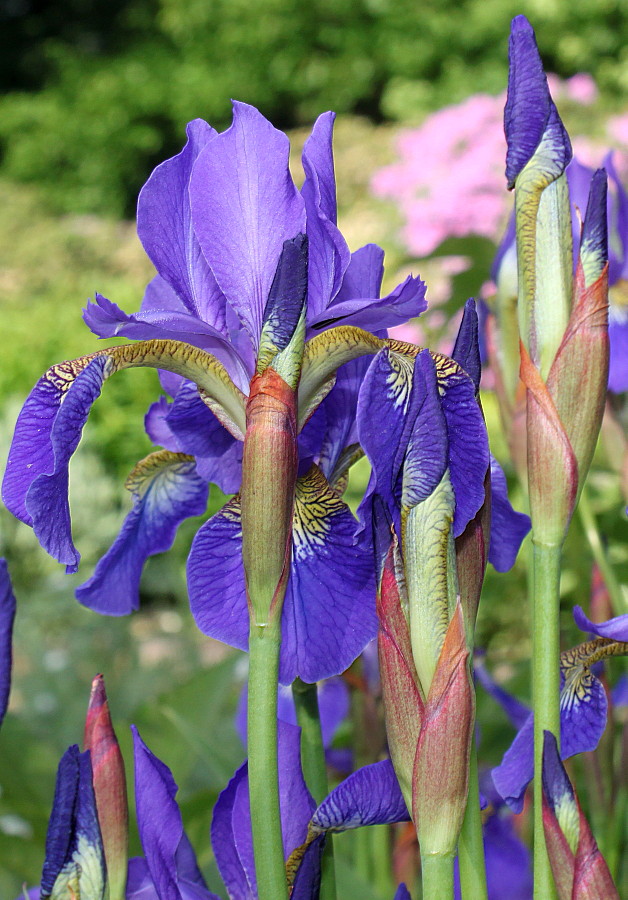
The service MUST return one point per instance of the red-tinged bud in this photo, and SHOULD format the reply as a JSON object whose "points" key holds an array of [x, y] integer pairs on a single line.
{"points": [[441, 770], [579, 869], [592, 878], [471, 558], [269, 472], [552, 465], [109, 787], [403, 703]]}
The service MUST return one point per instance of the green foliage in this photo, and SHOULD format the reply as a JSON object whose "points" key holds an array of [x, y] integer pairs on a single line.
{"points": [[104, 101]]}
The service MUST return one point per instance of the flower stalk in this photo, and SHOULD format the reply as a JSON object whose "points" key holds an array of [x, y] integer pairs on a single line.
{"points": [[315, 769]]}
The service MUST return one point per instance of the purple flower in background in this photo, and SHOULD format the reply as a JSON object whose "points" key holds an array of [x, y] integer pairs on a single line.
{"points": [[508, 860], [368, 797], [334, 704], [583, 707], [74, 852]]}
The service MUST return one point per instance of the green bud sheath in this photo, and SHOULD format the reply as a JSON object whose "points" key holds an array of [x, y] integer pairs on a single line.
{"points": [[269, 472]]}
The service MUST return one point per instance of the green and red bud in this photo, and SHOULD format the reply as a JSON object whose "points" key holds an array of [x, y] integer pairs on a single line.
{"points": [[401, 689], [429, 739], [440, 780], [565, 409], [269, 474], [109, 782], [579, 869]]}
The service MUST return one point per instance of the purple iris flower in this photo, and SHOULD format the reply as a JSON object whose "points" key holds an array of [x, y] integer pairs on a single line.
{"points": [[415, 420], [583, 708], [221, 221], [168, 869], [368, 797], [7, 618]]}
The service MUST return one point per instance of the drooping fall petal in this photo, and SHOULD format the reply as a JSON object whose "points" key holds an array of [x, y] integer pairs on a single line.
{"points": [[166, 490]]}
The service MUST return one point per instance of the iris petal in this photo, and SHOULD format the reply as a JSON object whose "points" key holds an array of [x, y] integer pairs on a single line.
{"points": [[7, 617], [231, 824], [508, 527], [616, 629], [164, 226], [169, 856], [582, 720], [530, 116], [329, 253], [244, 206], [370, 796], [329, 611], [166, 490]]}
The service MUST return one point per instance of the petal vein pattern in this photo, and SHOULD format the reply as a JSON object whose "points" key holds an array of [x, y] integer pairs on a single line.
{"points": [[329, 609]]}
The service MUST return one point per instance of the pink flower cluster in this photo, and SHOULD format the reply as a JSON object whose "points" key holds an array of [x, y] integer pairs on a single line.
{"points": [[449, 178]]}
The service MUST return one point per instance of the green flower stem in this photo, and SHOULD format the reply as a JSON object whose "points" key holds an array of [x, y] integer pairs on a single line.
{"points": [[546, 561], [315, 769], [437, 876], [382, 859], [471, 842], [264, 644], [591, 530]]}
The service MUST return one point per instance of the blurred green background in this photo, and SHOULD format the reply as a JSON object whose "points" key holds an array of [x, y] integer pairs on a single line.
{"points": [[95, 94]]}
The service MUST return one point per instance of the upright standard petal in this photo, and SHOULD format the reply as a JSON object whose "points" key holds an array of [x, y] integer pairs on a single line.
{"points": [[329, 253], [244, 206], [7, 617], [166, 490], [466, 350], [164, 226]]}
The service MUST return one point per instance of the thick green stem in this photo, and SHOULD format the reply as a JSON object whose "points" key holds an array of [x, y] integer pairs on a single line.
{"points": [[264, 644], [546, 560], [315, 769], [471, 842], [591, 530], [437, 876]]}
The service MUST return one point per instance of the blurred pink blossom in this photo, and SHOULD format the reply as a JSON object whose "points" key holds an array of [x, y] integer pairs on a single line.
{"points": [[449, 178], [580, 88]]}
